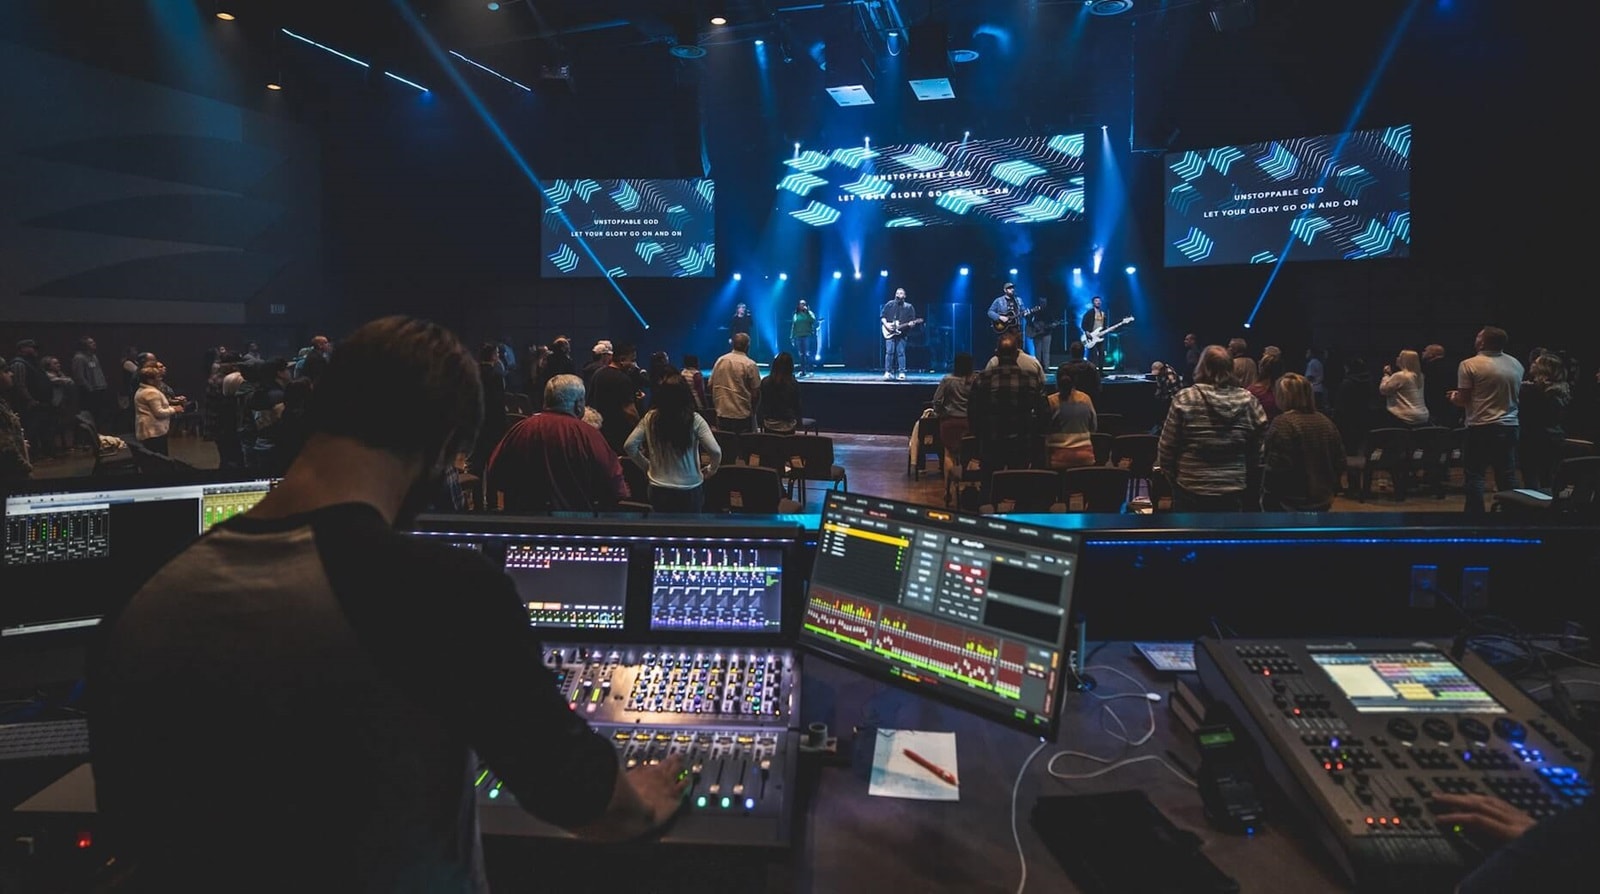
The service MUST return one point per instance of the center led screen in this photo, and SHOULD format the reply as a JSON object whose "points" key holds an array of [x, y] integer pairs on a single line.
{"points": [[1023, 180]]}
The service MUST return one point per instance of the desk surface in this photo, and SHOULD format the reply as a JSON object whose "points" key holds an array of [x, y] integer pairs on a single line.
{"points": [[848, 841]]}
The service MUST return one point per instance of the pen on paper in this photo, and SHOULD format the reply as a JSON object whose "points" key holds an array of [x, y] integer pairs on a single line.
{"points": [[930, 766]]}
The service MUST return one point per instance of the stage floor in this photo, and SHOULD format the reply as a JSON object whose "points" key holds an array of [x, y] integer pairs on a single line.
{"points": [[864, 402]]}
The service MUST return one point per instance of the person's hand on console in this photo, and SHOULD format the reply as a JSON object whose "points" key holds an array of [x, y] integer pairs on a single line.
{"points": [[642, 800], [1485, 816]]}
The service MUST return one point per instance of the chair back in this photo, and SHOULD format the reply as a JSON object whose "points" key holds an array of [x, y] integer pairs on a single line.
{"points": [[1577, 485], [968, 456], [732, 445], [1135, 451], [1576, 447], [744, 489], [1387, 448], [810, 457], [1102, 488], [1023, 490], [766, 449], [1102, 447], [1111, 423]]}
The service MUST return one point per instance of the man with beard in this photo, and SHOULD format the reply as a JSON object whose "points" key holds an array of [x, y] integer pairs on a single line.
{"points": [[344, 677]]}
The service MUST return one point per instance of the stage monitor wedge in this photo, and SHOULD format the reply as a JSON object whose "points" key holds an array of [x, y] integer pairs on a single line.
{"points": [[1333, 197], [969, 610], [633, 228]]}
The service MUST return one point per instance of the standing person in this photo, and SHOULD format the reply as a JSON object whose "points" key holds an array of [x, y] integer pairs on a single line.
{"points": [[780, 397], [697, 381], [896, 318], [669, 444], [1069, 440], [1085, 375], [740, 323], [1191, 352], [495, 418], [1354, 404], [315, 363], [1486, 388], [1006, 312], [1041, 331], [1302, 452], [1402, 387], [615, 393], [1438, 376], [1211, 440], [63, 401], [803, 336], [555, 459], [1007, 410], [1541, 406], [31, 392], [736, 387], [154, 412], [94, 392], [14, 463], [1093, 324], [1267, 374], [412, 660], [950, 400], [1317, 377]]}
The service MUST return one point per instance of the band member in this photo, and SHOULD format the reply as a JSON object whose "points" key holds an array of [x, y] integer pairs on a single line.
{"points": [[897, 317], [803, 336], [1094, 322], [1041, 331], [740, 321], [1006, 312]]}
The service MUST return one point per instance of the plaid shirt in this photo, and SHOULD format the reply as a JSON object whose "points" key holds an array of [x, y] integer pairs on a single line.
{"points": [[1007, 401]]}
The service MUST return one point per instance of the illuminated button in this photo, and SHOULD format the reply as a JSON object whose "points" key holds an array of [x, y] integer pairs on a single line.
{"points": [[701, 802], [749, 803], [726, 802]]}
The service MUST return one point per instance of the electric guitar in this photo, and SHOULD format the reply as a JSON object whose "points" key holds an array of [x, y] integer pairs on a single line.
{"points": [[893, 330], [1090, 339], [1011, 322]]}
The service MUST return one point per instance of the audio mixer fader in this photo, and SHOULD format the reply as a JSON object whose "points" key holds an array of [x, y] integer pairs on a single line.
{"points": [[726, 711]]}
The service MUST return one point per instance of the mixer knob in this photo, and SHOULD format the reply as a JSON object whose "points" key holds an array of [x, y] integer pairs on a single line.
{"points": [[1438, 729], [1402, 729], [1510, 730]]}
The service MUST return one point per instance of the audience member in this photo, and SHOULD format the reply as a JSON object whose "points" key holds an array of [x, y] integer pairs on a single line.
{"points": [[1402, 387], [1542, 403], [1438, 377], [1007, 410], [950, 399], [63, 402], [1085, 375], [599, 358], [31, 398], [1316, 374], [1353, 404], [1211, 441], [495, 418], [675, 447], [412, 662], [1487, 384], [780, 396], [1068, 440], [1267, 373], [154, 412], [697, 381], [615, 393], [262, 402], [1302, 452], [14, 461], [736, 386], [94, 391], [554, 460]]}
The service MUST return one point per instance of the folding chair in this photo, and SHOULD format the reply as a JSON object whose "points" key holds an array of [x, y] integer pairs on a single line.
{"points": [[1102, 446], [1022, 490], [1101, 488], [925, 445], [754, 490], [1137, 454], [811, 459], [1576, 490], [1386, 450], [967, 475]]}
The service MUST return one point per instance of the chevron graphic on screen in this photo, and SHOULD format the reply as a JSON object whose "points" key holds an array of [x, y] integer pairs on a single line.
{"points": [[1328, 197], [1019, 181], [626, 197], [1278, 163], [565, 259], [1067, 144], [1188, 165], [1222, 159], [816, 214], [809, 161], [801, 183], [1194, 245], [634, 227]]}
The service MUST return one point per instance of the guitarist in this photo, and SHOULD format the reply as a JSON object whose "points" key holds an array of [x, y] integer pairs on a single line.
{"points": [[1007, 312], [1095, 320], [1041, 330], [897, 317]]}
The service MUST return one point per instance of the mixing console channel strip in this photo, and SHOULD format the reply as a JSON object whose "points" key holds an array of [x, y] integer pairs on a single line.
{"points": [[729, 712], [1360, 736]]}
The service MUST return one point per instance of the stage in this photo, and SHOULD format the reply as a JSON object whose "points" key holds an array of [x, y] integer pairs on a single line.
{"points": [[864, 402]]}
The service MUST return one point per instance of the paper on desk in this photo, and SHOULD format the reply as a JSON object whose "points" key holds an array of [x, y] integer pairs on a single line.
{"points": [[894, 775]]}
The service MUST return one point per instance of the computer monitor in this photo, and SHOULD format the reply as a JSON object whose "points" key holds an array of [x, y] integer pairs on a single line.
{"points": [[75, 548], [972, 610]]}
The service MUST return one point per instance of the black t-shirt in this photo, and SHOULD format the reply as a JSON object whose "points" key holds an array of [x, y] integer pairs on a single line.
{"points": [[304, 701]]}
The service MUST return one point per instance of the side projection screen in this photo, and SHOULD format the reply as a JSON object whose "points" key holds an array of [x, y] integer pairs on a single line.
{"points": [[655, 228]]}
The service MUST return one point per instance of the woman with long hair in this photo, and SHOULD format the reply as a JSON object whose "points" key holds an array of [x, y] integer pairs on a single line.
{"points": [[1211, 441], [668, 444], [1267, 373], [780, 396], [1302, 453], [1069, 441], [1401, 387]]}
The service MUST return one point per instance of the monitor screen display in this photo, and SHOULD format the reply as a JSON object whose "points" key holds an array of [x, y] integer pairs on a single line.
{"points": [[1331, 197], [1405, 682], [969, 609], [581, 586], [716, 587], [74, 549]]}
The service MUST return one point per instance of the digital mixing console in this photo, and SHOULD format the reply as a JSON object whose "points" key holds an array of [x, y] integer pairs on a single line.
{"points": [[1360, 735], [728, 711]]}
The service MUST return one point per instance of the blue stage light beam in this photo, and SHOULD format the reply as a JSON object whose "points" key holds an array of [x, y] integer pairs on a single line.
{"points": [[481, 66], [499, 133], [325, 47], [1378, 69]]}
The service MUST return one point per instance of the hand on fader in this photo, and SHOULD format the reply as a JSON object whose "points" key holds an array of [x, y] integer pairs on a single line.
{"points": [[1485, 815]]}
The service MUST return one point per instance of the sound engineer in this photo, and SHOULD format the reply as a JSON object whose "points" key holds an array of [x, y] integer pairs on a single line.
{"points": [[301, 699], [1553, 854]]}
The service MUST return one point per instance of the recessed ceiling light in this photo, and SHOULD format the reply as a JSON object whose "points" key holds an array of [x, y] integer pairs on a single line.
{"points": [[225, 16], [274, 86], [718, 20]]}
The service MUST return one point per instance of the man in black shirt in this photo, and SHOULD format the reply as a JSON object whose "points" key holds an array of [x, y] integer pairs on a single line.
{"points": [[340, 684]]}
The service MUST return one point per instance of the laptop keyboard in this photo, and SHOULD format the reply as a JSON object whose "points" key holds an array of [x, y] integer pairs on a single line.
{"points": [[44, 738]]}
